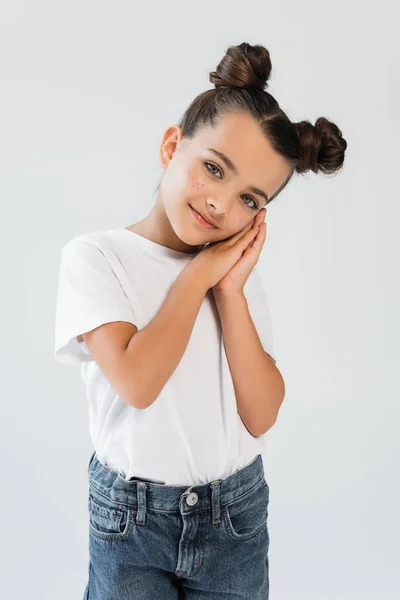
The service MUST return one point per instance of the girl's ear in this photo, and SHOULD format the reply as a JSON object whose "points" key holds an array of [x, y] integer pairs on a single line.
{"points": [[169, 144]]}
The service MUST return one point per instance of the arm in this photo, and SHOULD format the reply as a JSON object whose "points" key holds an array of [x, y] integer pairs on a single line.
{"points": [[155, 351], [258, 383]]}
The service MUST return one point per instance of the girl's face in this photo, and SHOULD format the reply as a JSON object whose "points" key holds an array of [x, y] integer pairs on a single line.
{"points": [[229, 190]]}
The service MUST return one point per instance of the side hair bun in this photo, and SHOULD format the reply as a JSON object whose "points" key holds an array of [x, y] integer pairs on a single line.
{"points": [[322, 146], [243, 66]]}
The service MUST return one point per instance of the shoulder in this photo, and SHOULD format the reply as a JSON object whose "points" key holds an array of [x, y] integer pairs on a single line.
{"points": [[95, 239], [95, 246]]}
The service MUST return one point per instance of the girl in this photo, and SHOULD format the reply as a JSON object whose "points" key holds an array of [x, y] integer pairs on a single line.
{"points": [[170, 324]]}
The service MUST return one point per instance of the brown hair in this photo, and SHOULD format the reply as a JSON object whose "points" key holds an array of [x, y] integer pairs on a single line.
{"points": [[240, 80]]}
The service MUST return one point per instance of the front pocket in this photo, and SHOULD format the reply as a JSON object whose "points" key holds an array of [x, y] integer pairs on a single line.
{"points": [[107, 520], [247, 516]]}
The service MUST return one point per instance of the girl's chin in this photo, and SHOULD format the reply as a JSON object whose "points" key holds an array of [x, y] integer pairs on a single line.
{"points": [[194, 242]]}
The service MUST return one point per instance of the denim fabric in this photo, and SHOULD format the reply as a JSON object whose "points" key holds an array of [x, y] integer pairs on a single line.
{"points": [[150, 541]]}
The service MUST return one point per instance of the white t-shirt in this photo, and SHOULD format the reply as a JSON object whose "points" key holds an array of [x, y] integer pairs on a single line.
{"points": [[191, 434]]}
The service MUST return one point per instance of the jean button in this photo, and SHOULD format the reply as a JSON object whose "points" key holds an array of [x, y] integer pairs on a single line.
{"points": [[192, 499]]}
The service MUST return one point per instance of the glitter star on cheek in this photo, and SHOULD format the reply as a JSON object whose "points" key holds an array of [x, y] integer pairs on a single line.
{"points": [[197, 184], [194, 181]]}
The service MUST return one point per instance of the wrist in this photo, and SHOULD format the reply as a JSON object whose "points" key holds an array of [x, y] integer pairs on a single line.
{"points": [[193, 274], [220, 294]]}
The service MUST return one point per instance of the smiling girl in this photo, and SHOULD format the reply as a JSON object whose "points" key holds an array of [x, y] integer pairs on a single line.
{"points": [[169, 321]]}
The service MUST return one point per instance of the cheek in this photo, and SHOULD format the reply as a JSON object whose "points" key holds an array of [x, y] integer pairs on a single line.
{"points": [[194, 181], [240, 222]]}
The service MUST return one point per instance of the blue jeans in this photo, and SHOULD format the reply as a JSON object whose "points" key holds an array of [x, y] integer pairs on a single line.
{"points": [[150, 541]]}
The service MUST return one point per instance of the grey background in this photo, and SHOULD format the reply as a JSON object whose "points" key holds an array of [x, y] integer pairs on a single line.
{"points": [[86, 90]]}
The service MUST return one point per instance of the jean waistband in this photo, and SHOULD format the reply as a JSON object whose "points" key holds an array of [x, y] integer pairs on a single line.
{"points": [[138, 492]]}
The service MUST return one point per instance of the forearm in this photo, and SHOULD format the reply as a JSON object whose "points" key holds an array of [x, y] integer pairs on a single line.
{"points": [[258, 383], [157, 349]]}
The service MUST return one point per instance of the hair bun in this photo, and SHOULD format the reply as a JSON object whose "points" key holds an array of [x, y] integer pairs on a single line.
{"points": [[322, 147], [243, 66]]}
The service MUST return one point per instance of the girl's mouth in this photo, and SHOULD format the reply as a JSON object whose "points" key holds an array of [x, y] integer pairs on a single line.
{"points": [[200, 219]]}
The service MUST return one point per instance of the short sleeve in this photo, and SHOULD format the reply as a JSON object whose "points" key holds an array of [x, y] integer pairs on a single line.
{"points": [[88, 295], [259, 311]]}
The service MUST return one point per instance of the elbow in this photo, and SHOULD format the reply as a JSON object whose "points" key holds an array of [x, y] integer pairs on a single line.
{"points": [[136, 391], [259, 431], [139, 401], [264, 425], [135, 403]]}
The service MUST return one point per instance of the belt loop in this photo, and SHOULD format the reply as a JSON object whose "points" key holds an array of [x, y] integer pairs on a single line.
{"points": [[141, 503], [215, 501]]}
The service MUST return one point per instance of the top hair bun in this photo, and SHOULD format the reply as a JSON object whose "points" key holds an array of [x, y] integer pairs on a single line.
{"points": [[243, 66]]}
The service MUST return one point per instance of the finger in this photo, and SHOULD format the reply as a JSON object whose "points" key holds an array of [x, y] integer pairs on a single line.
{"points": [[248, 238], [260, 216], [254, 223], [259, 240], [240, 234], [258, 219]]}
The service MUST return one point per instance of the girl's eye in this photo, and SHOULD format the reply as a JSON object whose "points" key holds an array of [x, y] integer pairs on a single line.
{"points": [[255, 202], [212, 165], [207, 164]]}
